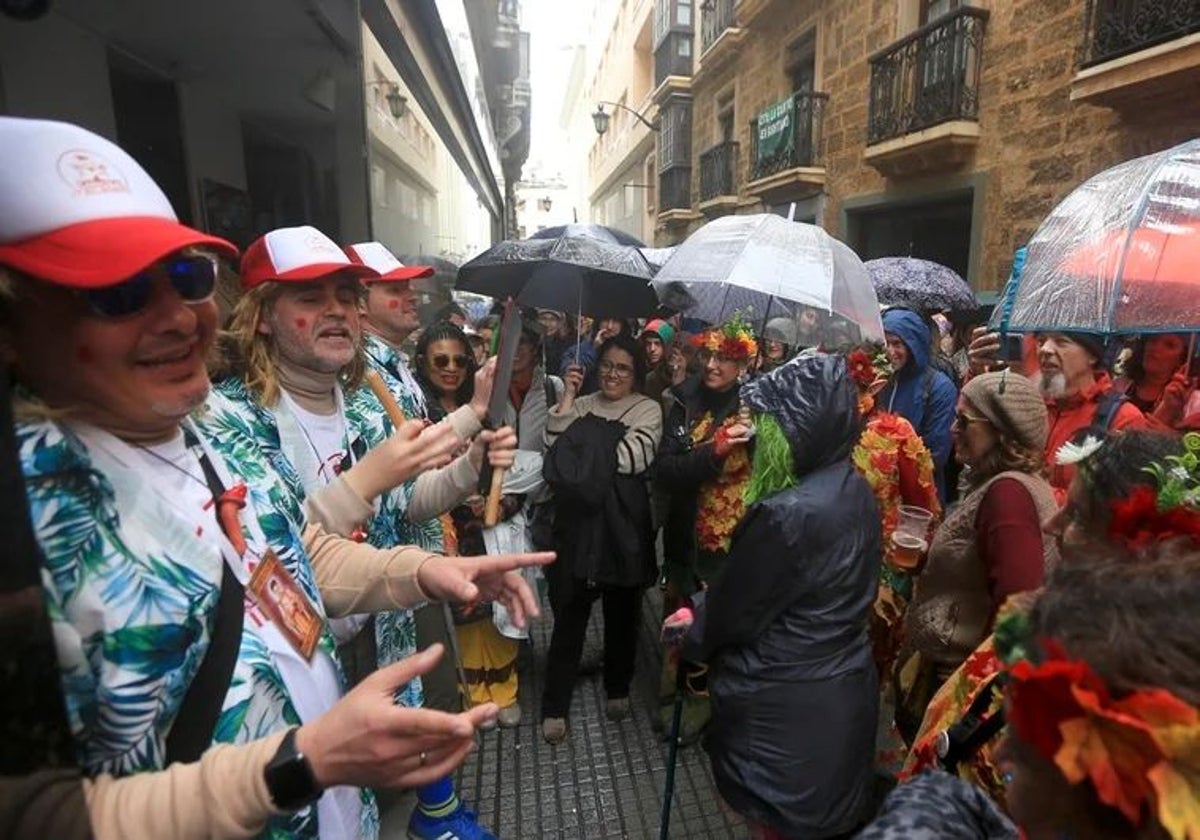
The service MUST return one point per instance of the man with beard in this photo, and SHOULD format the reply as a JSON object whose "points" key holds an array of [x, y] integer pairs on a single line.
{"points": [[1078, 394], [296, 396]]}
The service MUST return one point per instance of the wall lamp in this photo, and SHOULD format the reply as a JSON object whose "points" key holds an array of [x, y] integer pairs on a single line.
{"points": [[396, 101], [600, 118]]}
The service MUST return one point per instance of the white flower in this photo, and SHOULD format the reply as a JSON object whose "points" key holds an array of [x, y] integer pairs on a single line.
{"points": [[1179, 473], [1073, 453]]}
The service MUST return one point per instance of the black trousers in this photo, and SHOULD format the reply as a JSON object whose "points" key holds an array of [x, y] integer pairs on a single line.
{"points": [[572, 599]]}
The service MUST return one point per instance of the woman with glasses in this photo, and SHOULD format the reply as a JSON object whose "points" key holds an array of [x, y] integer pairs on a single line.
{"points": [[445, 369], [991, 545], [601, 446]]}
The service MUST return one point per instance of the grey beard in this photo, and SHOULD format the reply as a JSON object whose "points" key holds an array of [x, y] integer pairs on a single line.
{"points": [[1055, 387]]}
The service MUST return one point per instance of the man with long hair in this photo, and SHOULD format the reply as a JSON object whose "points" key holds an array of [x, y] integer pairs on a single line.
{"points": [[294, 392]]}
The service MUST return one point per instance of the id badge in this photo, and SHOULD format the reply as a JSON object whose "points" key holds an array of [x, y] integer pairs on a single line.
{"points": [[278, 595]]}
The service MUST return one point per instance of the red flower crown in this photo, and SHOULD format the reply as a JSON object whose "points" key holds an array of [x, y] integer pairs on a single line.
{"points": [[1140, 753], [733, 340], [1172, 509]]}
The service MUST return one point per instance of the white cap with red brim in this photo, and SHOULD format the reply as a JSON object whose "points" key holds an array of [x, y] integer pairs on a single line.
{"points": [[76, 210], [377, 256], [297, 255]]}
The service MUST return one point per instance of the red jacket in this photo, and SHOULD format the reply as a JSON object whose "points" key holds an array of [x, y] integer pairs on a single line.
{"points": [[1067, 416]]}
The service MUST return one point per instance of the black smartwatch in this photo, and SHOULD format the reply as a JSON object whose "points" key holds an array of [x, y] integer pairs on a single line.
{"points": [[289, 776]]}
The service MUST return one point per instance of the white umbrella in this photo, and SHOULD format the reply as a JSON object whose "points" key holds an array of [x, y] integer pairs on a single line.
{"points": [[768, 267]]}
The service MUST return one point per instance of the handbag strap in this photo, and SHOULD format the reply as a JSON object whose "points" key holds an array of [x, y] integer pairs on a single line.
{"points": [[192, 732]]}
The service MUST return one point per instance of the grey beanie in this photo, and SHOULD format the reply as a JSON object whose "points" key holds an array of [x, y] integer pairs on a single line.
{"points": [[1012, 404]]}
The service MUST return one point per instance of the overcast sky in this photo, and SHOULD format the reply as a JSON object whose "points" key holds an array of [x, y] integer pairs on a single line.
{"points": [[554, 26]]}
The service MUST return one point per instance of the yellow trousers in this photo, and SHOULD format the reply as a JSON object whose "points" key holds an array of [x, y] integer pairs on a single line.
{"points": [[489, 663]]}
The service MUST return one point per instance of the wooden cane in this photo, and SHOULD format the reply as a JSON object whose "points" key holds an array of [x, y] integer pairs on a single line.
{"points": [[491, 513], [380, 389]]}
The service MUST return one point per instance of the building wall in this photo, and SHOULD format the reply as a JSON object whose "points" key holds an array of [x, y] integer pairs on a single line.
{"points": [[1035, 144]]}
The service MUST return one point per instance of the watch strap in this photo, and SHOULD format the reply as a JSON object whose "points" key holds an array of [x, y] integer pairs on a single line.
{"points": [[289, 777]]}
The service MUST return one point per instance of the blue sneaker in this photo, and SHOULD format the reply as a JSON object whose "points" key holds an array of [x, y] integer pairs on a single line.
{"points": [[461, 824]]}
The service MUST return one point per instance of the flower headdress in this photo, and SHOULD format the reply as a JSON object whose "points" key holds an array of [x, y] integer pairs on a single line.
{"points": [[1139, 752], [732, 340], [867, 364], [1172, 510]]}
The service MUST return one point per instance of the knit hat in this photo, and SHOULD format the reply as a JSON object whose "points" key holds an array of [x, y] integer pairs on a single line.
{"points": [[1012, 404], [1090, 342], [783, 330], [665, 331]]}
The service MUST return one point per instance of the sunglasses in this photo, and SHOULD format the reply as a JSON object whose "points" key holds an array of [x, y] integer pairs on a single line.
{"points": [[963, 419], [194, 279], [441, 361]]}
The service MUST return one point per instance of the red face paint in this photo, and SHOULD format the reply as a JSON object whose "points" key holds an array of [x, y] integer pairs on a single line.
{"points": [[393, 304], [84, 355], [301, 323]]}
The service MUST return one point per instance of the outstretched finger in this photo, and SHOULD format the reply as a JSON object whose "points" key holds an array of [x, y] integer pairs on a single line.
{"points": [[490, 564], [438, 765], [522, 600], [409, 723], [387, 680]]}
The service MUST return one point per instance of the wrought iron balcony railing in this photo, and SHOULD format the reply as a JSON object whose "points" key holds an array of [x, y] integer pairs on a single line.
{"points": [[929, 77], [675, 189], [806, 146], [1114, 28], [717, 170], [718, 16]]}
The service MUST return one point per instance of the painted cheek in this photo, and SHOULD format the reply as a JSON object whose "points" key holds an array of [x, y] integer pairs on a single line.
{"points": [[393, 304], [301, 323], [84, 354]]}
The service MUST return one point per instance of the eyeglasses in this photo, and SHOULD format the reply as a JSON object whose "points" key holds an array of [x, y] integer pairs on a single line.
{"points": [[193, 278], [706, 356], [616, 368], [441, 361], [963, 419]]}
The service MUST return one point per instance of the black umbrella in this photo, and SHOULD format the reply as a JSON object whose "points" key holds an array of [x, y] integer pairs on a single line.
{"points": [[604, 234], [568, 274]]}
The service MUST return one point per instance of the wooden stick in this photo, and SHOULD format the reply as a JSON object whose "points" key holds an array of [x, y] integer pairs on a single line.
{"points": [[380, 389], [491, 513]]}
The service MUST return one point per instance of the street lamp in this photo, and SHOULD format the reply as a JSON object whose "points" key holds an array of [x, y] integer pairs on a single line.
{"points": [[600, 119], [396, 101]]}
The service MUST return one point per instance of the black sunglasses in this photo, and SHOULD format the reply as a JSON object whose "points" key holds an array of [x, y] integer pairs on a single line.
{"points": [[193, 278], [442, 361]]}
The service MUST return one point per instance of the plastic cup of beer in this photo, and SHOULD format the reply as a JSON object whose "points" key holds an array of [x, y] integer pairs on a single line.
{"points": [[910, 540]]}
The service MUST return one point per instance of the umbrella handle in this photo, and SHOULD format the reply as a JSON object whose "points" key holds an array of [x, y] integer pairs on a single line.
{"points": [[380, 389]]}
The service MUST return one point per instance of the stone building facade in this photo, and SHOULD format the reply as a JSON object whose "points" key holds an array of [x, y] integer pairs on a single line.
{"points": [[937, 128]]}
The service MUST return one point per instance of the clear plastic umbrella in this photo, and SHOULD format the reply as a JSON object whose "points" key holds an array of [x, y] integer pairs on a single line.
{"points": [[1121, 254], [770, 267]]}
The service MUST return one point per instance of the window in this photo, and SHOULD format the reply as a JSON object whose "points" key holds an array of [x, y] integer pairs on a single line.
{"points": [[800, 63], [685, 47], [379, 186], [934, 9], [725, 116], [683, 13], [651, 184]]}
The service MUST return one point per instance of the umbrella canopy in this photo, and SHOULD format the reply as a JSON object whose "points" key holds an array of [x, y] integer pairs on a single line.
{"points": [[568, 274], [444, 272], [657, 257], [771, 267], [601, 232], [922, 285], [1121, 254]]}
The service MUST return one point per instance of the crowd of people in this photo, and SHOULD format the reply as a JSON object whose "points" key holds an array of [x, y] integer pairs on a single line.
{"points": [[932, 568]]}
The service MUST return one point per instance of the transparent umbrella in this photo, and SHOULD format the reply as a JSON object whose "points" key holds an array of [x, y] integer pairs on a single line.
{"points": [[1121, 254], [770, 267]]}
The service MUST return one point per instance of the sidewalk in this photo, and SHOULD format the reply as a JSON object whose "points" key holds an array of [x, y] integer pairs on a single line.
{"points": [[606, 780]]}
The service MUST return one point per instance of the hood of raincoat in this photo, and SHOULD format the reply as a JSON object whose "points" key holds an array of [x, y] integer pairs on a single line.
{"points": [[815, 403], [914, 332]]}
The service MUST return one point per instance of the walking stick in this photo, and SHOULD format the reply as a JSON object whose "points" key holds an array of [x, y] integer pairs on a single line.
{"points": [[664, 831]]}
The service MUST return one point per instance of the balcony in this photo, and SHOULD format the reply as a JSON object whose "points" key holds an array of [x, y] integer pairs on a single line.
{"points": [[1137, 50], [924, 96], [748, 11], [719, 34], [675, 196], [793, 162], [673, 58], [718, 179]]}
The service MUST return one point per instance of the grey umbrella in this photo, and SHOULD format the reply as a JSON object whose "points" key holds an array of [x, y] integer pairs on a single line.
{"points": [[925, 286], [601, 232]]}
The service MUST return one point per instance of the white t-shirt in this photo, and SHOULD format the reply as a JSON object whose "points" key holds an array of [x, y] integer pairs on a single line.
{"points": [[325, 438]]}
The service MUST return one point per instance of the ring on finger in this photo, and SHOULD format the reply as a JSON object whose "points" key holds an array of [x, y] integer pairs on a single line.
{"points": [[421, 759]]}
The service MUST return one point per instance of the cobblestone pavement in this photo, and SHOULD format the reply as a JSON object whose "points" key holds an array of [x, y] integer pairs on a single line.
{"points": [[606, 780]]}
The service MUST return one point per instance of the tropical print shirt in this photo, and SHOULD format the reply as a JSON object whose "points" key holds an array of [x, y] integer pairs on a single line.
{"points": [[132, 598], [393, 365], [237, 423]]}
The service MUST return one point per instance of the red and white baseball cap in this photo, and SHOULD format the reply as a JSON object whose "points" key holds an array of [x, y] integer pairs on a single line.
{"points": [[78, 211], [376, 255], [297, 255]]}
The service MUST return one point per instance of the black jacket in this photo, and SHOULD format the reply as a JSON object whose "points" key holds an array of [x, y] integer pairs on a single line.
{"points": [[602, 519], [682, 467], [792, 681]]}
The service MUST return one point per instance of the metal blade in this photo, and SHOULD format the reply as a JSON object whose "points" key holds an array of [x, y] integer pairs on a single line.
{"points": [[506, 352]]}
